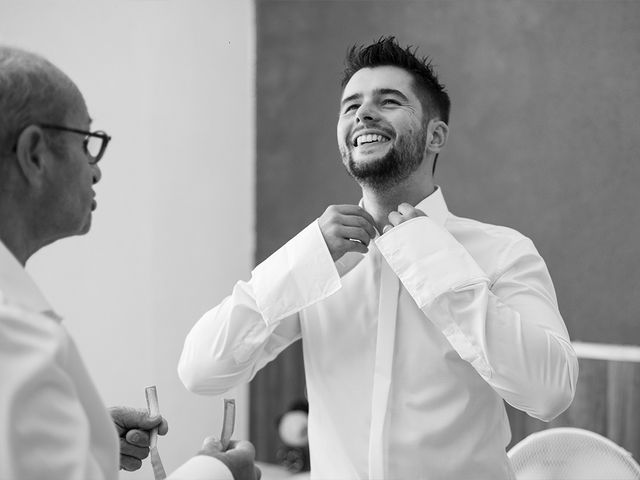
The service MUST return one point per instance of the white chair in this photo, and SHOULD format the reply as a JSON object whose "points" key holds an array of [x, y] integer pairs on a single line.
{"points": [[571, 454]]}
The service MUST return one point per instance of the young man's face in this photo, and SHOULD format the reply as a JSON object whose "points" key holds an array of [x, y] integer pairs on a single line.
{"points": [[381, 132]]}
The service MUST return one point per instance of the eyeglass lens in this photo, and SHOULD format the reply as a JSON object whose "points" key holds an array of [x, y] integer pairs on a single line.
{"points": [[94, 145]]}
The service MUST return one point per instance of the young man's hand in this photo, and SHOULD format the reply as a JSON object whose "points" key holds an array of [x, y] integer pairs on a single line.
{"points": [[346, 228], [405, 212]]}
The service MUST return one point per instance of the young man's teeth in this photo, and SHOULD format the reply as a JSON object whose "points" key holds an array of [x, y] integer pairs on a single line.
{"points": [[370, 138]]}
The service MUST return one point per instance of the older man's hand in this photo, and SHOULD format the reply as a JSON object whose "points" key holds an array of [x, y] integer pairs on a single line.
{"points": [[134, 426], [239, 457]]}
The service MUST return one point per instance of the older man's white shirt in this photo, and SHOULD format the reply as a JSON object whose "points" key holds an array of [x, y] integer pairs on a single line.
{"points": [[53, 424]]}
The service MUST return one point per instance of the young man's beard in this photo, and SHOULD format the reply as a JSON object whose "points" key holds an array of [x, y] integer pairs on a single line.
{"points": [[392, 169]]}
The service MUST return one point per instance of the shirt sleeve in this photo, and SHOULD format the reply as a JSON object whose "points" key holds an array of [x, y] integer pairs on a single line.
{"points": [[509, 328], [45, 432], [232, 341], [202, 467]]}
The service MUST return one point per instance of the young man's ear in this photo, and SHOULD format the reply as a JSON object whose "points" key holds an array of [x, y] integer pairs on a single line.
{"points": [[31, 152], [437, 133]]}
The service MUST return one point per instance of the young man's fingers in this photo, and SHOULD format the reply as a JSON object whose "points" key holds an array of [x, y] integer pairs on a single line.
{"points": [[355, 233], [355, 210], [410, 211], [355, 246], [395, 218], [367, 216], [360, 221], [405, 208]]}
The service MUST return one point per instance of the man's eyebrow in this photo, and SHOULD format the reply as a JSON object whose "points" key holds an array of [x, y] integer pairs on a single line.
{"points": [[350, 98], [392, 91], [379, 91]]}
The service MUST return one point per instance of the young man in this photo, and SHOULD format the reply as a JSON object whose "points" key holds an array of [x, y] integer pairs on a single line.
{"points": [[416, 324], [53, 423]]}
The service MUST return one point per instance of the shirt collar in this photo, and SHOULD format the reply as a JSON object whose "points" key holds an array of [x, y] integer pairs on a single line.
{"points": [[17, 286], [435, 207]]}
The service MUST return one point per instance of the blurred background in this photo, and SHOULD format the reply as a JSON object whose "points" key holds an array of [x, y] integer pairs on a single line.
{"points": [[223, 115]]}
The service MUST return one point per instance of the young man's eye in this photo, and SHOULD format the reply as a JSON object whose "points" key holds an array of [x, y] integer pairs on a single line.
{"points": [[350, 107]]}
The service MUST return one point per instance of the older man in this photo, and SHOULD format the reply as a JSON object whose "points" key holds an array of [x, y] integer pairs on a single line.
{"points": [[53, 423], [416, 324]]}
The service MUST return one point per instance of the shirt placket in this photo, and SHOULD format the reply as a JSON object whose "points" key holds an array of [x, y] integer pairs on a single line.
{"points": [[387, 312]]}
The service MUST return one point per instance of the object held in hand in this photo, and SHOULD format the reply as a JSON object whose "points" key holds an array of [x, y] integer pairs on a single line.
{"points": [[154, 409], [228, 422]]}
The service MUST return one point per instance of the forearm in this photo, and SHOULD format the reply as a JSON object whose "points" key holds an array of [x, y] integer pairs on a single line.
{"points": [[231, 342], [505, 323], [525, 355]]}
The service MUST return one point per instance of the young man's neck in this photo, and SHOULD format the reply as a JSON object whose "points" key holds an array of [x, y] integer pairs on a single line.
{"points": [[380, 204]]}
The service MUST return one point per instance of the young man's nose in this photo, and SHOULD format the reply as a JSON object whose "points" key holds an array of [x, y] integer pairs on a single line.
{"points": [[366, 112]]}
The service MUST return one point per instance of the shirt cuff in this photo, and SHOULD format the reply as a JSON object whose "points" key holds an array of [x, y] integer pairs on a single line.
{"points": [[297, 275], [428, 260], [202, 467]]}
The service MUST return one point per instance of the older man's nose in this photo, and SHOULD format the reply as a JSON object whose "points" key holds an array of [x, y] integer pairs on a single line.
{"points": [[97, 174]]}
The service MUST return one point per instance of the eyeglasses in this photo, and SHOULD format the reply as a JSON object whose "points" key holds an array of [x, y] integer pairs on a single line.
{"points": [[95, 143]]}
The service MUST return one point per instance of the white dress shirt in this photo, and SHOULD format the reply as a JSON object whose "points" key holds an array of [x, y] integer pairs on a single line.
{"points": [[53, 424], [409, 350]]}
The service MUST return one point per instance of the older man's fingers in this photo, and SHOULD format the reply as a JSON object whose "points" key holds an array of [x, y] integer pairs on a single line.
{"points": [[130, 464], [133, 450], [242, 446], [211, 446], [138, 437]]}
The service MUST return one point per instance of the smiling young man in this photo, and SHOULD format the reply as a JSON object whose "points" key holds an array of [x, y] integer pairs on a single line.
{"points": [[416, 324]]}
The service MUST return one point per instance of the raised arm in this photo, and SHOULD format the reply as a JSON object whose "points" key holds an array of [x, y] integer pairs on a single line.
{"points": [[506, 326], [231, 342]]}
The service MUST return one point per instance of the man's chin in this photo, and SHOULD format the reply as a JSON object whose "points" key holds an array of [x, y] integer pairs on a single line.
{"points": [[69, 231], [363, 169], [369, 156], [85, 227], [381, 174]]}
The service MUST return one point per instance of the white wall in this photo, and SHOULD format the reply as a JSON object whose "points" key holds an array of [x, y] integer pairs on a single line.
{"points": [[172, 82]]}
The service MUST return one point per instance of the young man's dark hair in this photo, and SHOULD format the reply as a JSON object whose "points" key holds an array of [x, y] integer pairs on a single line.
{"points": [[386, 51]]}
